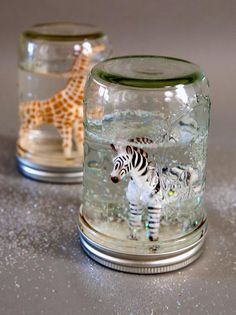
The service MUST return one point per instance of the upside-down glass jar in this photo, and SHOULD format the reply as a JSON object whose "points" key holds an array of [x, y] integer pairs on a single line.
{"points": [[145, 163], [54, 60]]}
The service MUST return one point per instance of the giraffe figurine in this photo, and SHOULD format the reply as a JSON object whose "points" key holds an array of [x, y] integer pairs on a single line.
{"points": [[64, 109]]}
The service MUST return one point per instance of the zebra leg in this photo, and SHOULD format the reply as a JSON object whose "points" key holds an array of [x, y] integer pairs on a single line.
{"points": [[135, 220], [154, 218]]}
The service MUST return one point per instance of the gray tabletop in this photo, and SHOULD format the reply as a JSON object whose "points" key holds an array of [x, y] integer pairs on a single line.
{"points": [[44, 271], [42, 267]]}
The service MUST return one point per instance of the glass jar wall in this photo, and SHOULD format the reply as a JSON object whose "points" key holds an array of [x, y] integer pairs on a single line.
{"points": [[145, 162], [54, 60]]}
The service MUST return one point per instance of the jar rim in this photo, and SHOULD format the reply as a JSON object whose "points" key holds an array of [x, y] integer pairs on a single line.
{"points": [[149, 79], [63, 31]]}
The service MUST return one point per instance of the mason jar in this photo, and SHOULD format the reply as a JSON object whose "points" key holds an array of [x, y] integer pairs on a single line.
{"points": [[54, 60], [145, 163]]}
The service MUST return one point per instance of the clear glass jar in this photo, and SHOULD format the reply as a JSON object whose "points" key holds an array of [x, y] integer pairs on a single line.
{"points": [[145, 162], [54, 60]]}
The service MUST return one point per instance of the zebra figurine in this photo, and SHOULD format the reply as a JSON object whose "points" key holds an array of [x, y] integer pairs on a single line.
{"points": [[150, 187]]}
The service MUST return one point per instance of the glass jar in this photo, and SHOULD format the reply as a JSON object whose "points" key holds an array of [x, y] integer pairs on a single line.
{"points": [[54, 60], [145, 163]]}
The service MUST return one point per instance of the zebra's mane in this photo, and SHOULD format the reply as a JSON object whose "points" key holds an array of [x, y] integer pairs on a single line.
{"points": [[129, 148], [141, 140]]}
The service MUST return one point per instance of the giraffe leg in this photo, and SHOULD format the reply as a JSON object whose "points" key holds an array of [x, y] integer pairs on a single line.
{"points": [[79, 136], [154, 218], [135, 220], [23, 129], [29, 124], [30, 115], [66, 135]]}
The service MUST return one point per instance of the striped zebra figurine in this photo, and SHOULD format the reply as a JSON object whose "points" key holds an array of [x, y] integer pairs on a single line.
{"points": [[150, 187]]}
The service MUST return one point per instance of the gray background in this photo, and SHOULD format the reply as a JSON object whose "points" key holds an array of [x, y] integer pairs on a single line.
{"points": [[42, 268]]}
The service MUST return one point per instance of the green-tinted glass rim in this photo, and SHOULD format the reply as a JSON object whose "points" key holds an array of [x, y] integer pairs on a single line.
{"points": [[34, 34], [98, 73]]}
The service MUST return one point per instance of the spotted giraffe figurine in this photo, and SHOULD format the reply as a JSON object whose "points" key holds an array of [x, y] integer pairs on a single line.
{"points": [[64, 109]]}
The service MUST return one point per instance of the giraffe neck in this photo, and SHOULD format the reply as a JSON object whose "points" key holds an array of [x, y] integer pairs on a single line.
{"points": [[78, 74], [80, 66]]}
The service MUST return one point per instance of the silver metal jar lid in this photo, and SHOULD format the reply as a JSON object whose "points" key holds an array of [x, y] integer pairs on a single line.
{"points": [[50, 174], [144, 264]]}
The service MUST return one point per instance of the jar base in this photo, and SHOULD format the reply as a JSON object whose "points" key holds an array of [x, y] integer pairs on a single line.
{"points": [[144, 264], [43, 173]]}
